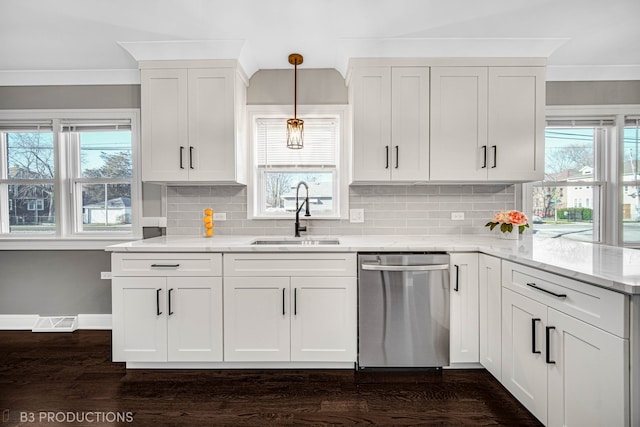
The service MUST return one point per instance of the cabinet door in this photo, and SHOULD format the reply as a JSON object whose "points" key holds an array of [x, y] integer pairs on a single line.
{"points": [[256, 319], [588, 383], [524, 370], [211, 125], [516, 123], [194, 313], [139, 327], [490, 298], [409, 124], [464, 344], [458, 123], [370, 90], [324, 319], [165, 144]]}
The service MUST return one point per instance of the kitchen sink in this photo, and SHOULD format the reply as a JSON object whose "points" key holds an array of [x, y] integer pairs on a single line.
{"points": [[296, 242]]}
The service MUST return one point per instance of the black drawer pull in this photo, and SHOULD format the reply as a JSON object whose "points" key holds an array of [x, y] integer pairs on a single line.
{"points": [[484, 156], [158, 312], [181, 154], [457, 277], [533, 336], [170, 311], [283, 311], [549, 361], [165, 265], [495, 156], [534, 286]]}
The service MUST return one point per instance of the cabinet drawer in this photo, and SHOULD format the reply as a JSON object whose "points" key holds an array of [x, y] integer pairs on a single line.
{"points": [[600, 307], [290, 264], [166, 264]]}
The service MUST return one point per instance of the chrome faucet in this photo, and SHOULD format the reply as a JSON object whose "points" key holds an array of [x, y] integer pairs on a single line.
{"points": [[305, 202]]}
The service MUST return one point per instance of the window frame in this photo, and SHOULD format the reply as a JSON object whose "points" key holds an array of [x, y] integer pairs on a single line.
{"points": [[254, 187], [65, 196], [608, 159]]}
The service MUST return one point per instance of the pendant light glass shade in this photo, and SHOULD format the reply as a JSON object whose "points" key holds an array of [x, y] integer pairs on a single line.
{"points": [[295, 126], [295, 131]]}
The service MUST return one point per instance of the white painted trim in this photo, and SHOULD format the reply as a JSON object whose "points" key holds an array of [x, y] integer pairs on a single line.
{"points": [[94, 321], [592, 72], [69, 77], [240, 365], [17, 244], [16, 322], [20, 322]]}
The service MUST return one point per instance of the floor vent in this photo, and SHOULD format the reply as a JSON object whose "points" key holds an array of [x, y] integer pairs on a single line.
{"points": [[56, 324]]}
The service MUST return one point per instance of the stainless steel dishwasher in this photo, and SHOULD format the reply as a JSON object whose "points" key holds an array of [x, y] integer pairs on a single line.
{"points": [[403, 310]]}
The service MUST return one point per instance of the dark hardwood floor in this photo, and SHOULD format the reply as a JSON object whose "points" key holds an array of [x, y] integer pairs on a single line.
{"points": [[56, 379]]}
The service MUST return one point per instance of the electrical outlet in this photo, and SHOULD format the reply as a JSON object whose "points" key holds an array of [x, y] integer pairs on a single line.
{"points": [[457, 216], [356, 215], [105, 275], [219, 216]]}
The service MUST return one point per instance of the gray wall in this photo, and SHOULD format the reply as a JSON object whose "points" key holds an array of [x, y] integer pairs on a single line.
{"points": [[67, 282], [54, 282]]}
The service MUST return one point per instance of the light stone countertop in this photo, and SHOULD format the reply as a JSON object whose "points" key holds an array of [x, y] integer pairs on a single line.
{"points": [[609, 267]]}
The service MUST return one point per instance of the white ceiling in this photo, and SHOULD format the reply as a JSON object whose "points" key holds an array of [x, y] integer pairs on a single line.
{"points": [[98, 41]]}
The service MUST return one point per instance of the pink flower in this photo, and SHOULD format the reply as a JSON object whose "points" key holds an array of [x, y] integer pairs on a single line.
{"points": [[517, 218]]}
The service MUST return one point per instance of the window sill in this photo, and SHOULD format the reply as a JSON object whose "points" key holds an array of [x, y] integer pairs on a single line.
{"points": [[57, 244]]}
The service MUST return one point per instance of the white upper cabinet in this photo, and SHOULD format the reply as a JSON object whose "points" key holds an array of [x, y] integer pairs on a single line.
{"points": [[390, 123], [193, 123], [487, 123]]}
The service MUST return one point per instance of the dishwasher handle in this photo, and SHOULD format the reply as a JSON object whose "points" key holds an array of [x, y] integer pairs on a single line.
{"points": [[428, 267]]}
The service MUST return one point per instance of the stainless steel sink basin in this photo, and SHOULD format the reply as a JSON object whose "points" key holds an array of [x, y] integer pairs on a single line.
{"points": [[296, 242]]}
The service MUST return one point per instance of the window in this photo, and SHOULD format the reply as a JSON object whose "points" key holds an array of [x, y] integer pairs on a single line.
{"points": [[70, 175], [101, 175], [27, 177], [569, 201], [630, 197], [277, 170]]}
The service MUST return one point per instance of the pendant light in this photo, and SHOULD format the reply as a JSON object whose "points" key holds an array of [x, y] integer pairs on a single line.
{"points": [[295, 126]]}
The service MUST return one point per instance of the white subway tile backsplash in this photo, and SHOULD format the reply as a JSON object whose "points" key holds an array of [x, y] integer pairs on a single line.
{"points": [[392, 209]]}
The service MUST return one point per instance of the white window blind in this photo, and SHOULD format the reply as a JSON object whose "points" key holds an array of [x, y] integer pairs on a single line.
{"points": [[95, 125], [320, 143], [26, 125], [581, 121]]}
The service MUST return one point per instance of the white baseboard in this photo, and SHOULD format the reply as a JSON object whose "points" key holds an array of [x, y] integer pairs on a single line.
{"points": [[94, 321], [18, 322]]}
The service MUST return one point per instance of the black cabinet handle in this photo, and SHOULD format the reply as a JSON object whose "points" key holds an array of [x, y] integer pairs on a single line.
{"points": [[534, 286], [158, 312], [551, 362], [533, 336], [484, 156], [457, 277], [181, 154], [283, 311], [170, 312], [397, 155], [165, 265], [495, 156], [386, 147], [190, 157], [295, 301]]}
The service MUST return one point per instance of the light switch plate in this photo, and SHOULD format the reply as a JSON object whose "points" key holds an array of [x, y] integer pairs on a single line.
{"points": [[105, 275], [356, 215], [219, 216], [457, 216]]}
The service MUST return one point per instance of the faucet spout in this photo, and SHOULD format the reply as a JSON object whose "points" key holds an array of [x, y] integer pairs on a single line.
{"points": [[298, 228]]}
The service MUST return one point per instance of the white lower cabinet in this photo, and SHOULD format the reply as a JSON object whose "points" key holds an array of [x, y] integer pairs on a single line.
{"points": [[490, 312], [306, 316], [464, 340], [566, 371], [167, 307], [159, 319]]}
